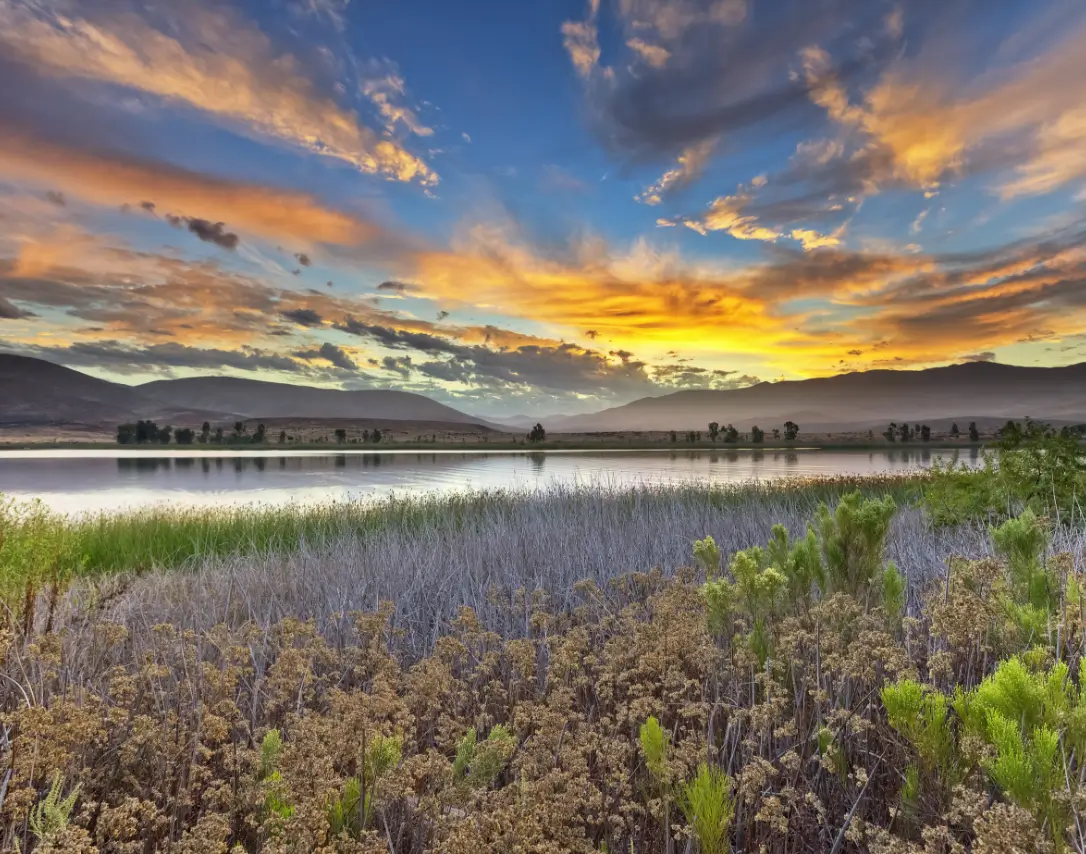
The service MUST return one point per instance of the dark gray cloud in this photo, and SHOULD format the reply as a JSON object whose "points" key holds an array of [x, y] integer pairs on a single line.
{"points": [[209, 232], [398, 364], [126, 358], [302, 316], [213, 232], [330, 353], [56, 198], [10, 311], [303, 259], [395, 287], [148, 206], [729, 75]]}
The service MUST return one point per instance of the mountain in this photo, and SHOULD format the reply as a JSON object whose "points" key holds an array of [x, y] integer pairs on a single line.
{"points": [[258, 399], [37, 392], [863, 400], [33, 391]]}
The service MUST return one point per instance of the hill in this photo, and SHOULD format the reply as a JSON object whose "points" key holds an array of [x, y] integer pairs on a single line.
{"points": [[33, 391], [968, 392], [258, 399]]}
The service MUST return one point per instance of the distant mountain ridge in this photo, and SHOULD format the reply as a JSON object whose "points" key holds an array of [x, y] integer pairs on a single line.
{"points": [[972, 390], [34, 391], [38, 392]]}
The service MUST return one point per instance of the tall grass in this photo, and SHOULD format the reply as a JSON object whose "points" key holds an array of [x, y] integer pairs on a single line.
{"points": [[33, 539], [432, 556]]}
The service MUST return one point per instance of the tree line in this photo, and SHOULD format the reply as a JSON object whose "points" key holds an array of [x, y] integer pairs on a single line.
{"points": [[147, 432], [905, 432], [730, 434]]}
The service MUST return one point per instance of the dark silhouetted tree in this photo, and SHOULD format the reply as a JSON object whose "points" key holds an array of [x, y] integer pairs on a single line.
{"points": [[218, 438], [757, 435], [925, 433], [184, 436], [537, 434], [165, 434], [791, 431], [341, 435], [674, 436], [776, 434], [282, 437], [375, 436], [954, 431], [205, 433], [126, 434], [731, 434], [714, 430], [905, 432], [890, 433], [260, 435], [974, 433]]}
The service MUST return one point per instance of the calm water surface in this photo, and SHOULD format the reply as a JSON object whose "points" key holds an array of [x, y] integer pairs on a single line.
{"points": [[78, 481]]}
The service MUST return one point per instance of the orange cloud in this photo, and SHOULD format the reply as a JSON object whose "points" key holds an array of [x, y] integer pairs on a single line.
{"points": [[923, 125], [113, 180], [206, 60]]}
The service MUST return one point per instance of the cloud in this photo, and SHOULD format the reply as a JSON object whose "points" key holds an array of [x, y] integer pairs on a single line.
{"points": [[688, 168], [336, 356], [653, 54], [922, 123], [213, 232], [398, 365], [303, 317], [113, 179], [581, 40], [303, 259], [986, 356], [384, 86], [207, 60], [395, 287], [126, 358], [333, 11], [727, 69], [727, 214], [56, 198], [10, 311], [813, 240]]}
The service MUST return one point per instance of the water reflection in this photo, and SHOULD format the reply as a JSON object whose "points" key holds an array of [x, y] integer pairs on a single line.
{"points": [[77, 481]]}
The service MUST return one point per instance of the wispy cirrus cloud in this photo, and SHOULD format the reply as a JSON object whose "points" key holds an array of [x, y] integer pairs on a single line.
{"points": [[208, 60]]}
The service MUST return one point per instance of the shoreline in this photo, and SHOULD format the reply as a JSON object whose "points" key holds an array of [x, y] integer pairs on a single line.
{"points": [[274, 448]]}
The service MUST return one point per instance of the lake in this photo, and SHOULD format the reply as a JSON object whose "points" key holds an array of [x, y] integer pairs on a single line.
{"points": [[81, 481]]}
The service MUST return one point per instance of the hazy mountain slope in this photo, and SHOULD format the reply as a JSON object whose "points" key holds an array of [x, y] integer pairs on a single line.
{"points": [[257, 399], [33, 391], [986, 389]]}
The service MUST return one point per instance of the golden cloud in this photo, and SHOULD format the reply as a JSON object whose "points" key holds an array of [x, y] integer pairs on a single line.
{"points": [[207, 61]]}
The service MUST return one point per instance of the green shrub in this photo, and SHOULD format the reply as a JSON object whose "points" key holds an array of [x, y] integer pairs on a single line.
{"points": [[707, 803]]}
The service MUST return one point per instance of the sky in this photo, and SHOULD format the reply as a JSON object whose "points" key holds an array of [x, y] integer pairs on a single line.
{"points": [[541, 207]]}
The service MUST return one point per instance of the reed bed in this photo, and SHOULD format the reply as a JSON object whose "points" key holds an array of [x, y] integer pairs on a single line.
{"points": [[480, 550]]}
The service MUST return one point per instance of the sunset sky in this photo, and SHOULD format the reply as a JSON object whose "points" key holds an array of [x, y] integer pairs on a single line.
{"points": [[541, 206]]}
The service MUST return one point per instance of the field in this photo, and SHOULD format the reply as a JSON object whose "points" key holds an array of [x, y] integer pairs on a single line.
{"points": [[586, 670]]}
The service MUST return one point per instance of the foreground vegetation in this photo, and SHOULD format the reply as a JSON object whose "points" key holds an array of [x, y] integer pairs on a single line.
{"points": [[805, 694], [484, 673]]}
